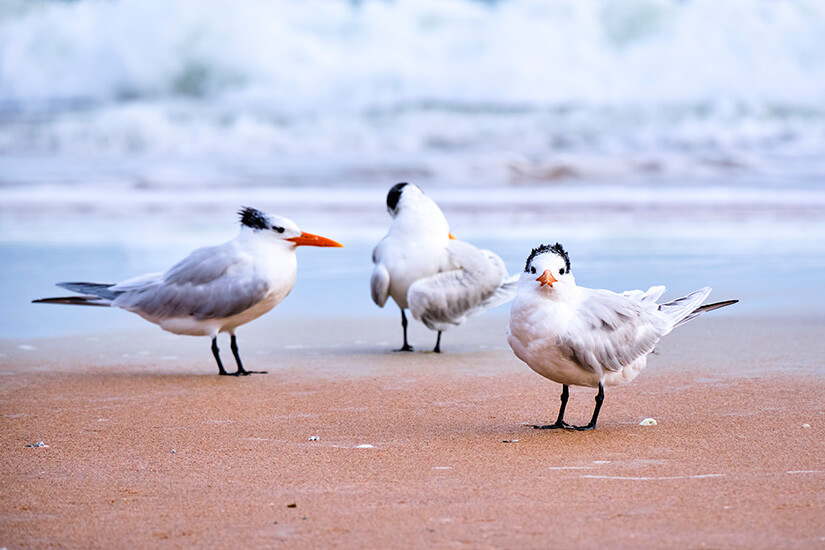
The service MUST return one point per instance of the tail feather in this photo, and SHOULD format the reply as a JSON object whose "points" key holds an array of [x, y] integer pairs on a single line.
{"points": [[93, 294], [680, 308], [100, 290], [705, 308], [74, 301]]}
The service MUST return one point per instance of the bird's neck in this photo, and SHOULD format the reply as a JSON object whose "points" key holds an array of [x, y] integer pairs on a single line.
{"points": [[422, 223]]}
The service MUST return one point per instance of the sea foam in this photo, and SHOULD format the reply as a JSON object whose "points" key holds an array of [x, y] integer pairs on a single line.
{"points": [[659, 86]]}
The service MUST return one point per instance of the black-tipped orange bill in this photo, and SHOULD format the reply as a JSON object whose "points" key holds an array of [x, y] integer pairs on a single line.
{"points": [[547, 278], [308, 239]]}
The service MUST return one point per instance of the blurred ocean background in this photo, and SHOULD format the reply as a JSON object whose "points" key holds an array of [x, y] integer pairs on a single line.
{"points": [[661, 141]]}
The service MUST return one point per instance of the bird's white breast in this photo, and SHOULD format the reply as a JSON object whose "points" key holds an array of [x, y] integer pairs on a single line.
{"points": [[275, 263], [533, 331]]}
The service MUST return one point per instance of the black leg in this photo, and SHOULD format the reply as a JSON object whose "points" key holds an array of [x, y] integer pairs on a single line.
{"points": [[241, 371], [216, 353], [437, 348], [559, 423], [599, 401], [406, 346]]}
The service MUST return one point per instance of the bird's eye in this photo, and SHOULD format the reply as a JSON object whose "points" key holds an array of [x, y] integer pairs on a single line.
{"points": [[561, 271], [533, 270], [278, 229]]}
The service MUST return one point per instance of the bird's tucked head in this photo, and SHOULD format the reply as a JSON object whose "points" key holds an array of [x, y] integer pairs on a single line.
{"points": [[263, 224], [415, 213], [394, 197], [409, 198], [548, 265]]}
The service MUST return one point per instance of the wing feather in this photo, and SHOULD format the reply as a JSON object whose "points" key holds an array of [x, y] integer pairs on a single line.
{"points": [[612, 331], [196, 287], [380, 285], [448, 298]]}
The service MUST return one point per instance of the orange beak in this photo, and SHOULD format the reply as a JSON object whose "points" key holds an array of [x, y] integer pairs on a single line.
{"points": [[451, 236], [308, 239], [546, 278]]}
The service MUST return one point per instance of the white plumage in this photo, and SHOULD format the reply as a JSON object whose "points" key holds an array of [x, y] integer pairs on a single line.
{"points": [[589, 337], [441, 280], [214, 289]]}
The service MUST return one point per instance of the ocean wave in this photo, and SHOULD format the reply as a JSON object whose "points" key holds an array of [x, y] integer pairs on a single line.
{"points": [[319, 54], [561, 89]]}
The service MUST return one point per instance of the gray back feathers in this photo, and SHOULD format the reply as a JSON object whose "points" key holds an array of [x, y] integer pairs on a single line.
{"points": [[612, 331], [195, 287], [478, 283]]}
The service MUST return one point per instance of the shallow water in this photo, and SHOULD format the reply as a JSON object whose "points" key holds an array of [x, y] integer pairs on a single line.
{"points": [[768, 281]]}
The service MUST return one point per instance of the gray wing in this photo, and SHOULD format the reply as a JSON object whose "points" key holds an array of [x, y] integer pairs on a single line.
{"points": [[503, 294], [448, 298], [380, 285], [197, 286], [611, 331]]}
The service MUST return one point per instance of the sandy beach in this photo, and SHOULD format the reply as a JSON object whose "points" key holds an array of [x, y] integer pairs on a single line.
{"points": [[148, 447]]}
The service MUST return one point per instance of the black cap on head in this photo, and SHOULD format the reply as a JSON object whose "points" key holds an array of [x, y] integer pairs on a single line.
{"points": [[252, 218], [395, 195], [555, 249]]}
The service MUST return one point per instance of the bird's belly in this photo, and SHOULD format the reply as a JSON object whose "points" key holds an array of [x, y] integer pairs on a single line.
{"points": [[270, 301], [190, 326], [210, 327], [544, 359], [532, 334]]}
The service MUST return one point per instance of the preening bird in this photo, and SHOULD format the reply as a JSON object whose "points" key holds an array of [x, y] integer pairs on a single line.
{"points": [[589, 337], [422, 267], [215, 289]]}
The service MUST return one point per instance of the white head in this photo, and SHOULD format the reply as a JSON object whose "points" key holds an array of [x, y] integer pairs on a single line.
{"points": [[548, 268], [264, 225]]}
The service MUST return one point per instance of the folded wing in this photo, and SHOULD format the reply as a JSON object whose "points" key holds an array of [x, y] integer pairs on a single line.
{"points": [[478, 283], [611, 331], [196, 287]]}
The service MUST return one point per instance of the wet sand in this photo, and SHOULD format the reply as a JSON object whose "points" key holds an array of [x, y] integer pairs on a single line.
{"points": [[147, 447]]}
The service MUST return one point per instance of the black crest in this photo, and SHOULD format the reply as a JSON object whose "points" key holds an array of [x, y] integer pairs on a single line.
{"points": [[555, 249], [395, 195], [253, 218]]}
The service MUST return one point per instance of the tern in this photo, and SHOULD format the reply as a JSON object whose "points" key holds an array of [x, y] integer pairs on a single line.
{"points": [[589, 337], [214, 289], [424, 268]]}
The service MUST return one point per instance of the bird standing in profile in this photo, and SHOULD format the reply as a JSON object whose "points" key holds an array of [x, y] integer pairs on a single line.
{"points": [[214, 289], [589, 337], [424, 268]]}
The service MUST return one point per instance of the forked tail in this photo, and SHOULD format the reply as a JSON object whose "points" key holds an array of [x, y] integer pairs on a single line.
{"points": [[93, 294], [74, 301], [705, 308], [682, 310]]}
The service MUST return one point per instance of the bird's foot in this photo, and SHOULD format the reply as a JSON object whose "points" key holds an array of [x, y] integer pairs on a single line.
{"points": [[405, 347], [581, 428], [244, 372], [555, 426]]}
